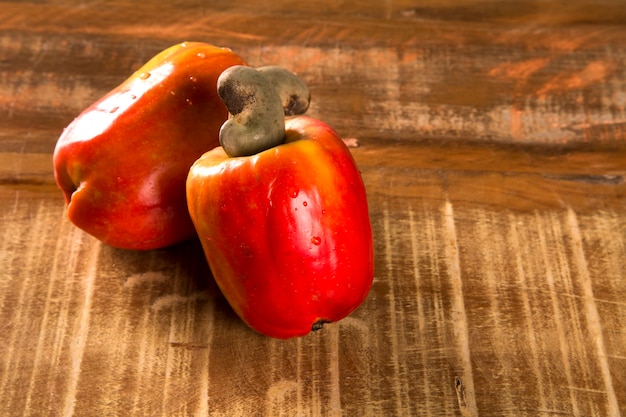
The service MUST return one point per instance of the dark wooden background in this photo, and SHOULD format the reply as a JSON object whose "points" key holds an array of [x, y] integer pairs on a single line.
{"points": [[493, 147]]}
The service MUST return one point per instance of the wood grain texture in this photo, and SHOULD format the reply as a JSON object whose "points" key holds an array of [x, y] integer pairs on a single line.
{"points": [[492, 143]]}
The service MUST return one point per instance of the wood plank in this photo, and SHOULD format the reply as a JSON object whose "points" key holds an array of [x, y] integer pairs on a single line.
{"points": [[549, 80]]}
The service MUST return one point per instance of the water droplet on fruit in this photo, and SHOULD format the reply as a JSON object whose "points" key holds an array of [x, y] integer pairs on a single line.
{"points": [[133, 96], [188, 100], [293, 193], [201, 55], [323, 211], [316, 240], [304, 203], [193, 79], [144, 75]]}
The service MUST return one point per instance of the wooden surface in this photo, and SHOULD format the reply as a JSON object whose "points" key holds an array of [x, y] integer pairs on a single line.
{"points": [[493, 146]]}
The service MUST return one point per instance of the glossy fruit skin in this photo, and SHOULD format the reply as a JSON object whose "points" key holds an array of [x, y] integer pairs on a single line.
{"points": [[123, 162], [286, 232]]}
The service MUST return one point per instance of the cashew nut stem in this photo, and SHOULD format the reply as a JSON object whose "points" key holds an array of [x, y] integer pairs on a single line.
{"points": [[257, 118], [293, 92]]}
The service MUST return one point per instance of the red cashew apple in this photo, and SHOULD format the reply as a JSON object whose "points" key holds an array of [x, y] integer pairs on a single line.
{"points": [[281, 212], [123, 162]]}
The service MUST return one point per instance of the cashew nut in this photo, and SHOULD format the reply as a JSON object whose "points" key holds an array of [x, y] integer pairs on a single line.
{"points": [[257, 118], [294, 93]]}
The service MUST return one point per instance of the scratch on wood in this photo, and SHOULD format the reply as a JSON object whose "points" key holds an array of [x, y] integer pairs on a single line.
{"points": [[460, 319], [299, 384], [205, 386], [591, 312], [460, 397], [51, 350], [421, 320], [189, 345], [80, 339], [22, 304], [180, 327], [335, 386], [527, 310], [548, 260], [587, 178], [393, 326], [146, 360]]}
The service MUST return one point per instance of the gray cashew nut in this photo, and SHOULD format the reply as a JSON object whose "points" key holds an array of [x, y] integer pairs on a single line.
{"points": [[257, 118], [293, 92]]}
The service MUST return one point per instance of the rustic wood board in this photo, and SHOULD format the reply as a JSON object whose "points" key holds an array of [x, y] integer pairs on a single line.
{"points": [[493, 148]]}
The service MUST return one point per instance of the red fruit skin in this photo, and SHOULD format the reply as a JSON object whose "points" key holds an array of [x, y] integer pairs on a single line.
{"points": [[286, 232], [123, 162]]}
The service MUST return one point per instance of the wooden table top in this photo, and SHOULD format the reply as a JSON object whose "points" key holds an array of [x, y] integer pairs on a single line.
{"points": [[492, 142]]}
